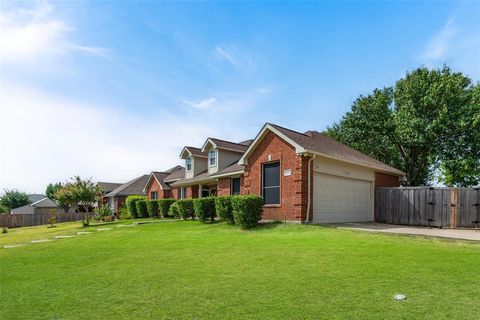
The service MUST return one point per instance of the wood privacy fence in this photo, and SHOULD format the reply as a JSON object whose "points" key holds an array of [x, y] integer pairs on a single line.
{"points": [[23, 220], [422, 206]]}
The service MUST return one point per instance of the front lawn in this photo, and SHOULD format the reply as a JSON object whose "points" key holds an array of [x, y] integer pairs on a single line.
{"points": [[190, 270]]}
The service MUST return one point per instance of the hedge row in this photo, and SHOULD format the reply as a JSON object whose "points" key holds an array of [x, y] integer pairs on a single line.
{"points": [[245, 211]]}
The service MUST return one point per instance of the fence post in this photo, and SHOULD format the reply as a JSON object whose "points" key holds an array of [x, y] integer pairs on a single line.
{"points": [[453, 207]]}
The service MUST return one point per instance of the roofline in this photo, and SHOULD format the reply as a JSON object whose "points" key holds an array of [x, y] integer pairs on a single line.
{"points": [[192, 181], [358, 163], [190, 153], [209, 139], [148, 181], [31, 204], [228, 174], [260, 135]]}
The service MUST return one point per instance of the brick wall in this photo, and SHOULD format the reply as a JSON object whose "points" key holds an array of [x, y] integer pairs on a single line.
{"points": [[192, 191], [223, 187], [155, 186], [293, 188], [386, 180]]}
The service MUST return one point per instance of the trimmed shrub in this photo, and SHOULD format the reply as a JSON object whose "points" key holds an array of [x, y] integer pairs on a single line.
{"points": [[204, 208], [223, 207], [174, 210], [164, 206], [132, 208], [142, 211], [152, 208], [247, 210], [123, 213], [185, 207]]}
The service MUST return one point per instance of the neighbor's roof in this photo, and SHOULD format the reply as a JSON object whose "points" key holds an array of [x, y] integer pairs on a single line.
{"points": [[34, 197], [134, 186], [227, 145], [316, 142], [109, 186], [45, 202], [161, 175]]}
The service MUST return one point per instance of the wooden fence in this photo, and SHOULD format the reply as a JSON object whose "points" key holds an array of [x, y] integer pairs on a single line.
{"points": [[23, 220], [422, 206]]}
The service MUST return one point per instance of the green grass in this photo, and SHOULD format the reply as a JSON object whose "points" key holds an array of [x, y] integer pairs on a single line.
{"points": [[202, 271]]}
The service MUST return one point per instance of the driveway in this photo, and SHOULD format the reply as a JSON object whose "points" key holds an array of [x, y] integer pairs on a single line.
{"points": [[463, 234]]}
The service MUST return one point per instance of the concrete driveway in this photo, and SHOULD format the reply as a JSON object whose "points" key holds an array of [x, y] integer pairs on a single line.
{"points": [[463, 234]]}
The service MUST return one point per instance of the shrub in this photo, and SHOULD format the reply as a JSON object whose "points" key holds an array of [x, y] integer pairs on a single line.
{"points": [[223, 207], [141, 208], [152, 208], [185, 207], [132, 208], [247, 210], [123, 213], [204, 208], [52, 217], [164, 206], [174, 210], [103, 210]]}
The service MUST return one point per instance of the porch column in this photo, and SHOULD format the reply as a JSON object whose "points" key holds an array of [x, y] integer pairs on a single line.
{"points": [[199, 190]]}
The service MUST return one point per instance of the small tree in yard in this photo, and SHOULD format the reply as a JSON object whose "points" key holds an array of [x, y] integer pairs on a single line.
{"points": [[65, 199], [52, 217], [85, 193], [12, 199]]}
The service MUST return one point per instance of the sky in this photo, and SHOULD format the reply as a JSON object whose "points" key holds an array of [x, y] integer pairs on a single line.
{"points": [[112, 90]]}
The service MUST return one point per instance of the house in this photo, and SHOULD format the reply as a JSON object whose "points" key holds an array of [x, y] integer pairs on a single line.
{"points": [[303, 177], [158, 183], [39, 204], [116, 198], [108, 187]]}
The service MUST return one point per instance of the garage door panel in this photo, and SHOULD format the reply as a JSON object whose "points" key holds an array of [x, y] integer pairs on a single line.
{"points": [[339, 199]]}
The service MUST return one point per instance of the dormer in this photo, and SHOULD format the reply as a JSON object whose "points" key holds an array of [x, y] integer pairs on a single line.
{"points": [[195, 161], [221, 153]]}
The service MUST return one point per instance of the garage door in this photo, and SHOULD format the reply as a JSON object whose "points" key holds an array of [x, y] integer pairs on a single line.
{"points": [[338, 199]]}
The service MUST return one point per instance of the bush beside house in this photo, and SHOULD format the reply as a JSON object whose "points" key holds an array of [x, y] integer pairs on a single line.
{"points": [[152, 208], [132, 208], [164, 206], [174, 210], [204, 208], [141, 207], [223, 208], [247, 210], [185, 207]]}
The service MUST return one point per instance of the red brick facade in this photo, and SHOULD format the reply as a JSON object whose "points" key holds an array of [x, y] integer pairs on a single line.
{"points": [[386, 180], [155, 186], [293, 187]]}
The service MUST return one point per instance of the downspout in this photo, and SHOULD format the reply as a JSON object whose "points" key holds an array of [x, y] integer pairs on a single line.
{"points": [[308, 189]]}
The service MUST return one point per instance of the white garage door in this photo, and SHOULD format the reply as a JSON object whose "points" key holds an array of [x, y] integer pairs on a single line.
{"points": [[338, 199]]}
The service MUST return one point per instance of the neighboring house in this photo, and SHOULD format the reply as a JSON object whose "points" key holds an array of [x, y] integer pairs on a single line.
{"points": [[108, 187], [116, 197], [156, 185], [40, 204], [304, 177]]}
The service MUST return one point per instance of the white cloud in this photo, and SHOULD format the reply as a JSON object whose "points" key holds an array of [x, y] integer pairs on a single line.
{"points": [[30, 34], [457, 43], [208, 103], [234, 56]]}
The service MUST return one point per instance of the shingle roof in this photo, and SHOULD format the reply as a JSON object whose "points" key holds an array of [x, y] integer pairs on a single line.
{"points": [[34, 197], [234, 167], [108, 186], [315, 141], [246, 142], [134, 186], [196, 151], [223, 144], [175, 175]]}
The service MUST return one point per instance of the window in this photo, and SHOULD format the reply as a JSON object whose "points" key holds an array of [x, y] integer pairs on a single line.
{"points": [[182, 193], [235, 187], [189, 163], [271, 183], [212, 158], [154, 195]]}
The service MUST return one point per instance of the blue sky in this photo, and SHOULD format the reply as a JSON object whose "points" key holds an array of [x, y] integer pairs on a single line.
{"points": [[112, 90]]}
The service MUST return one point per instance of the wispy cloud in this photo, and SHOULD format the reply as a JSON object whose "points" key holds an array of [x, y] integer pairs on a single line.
{"points": [[32, 33], [456, 43], [205, 104], [234, 56]]}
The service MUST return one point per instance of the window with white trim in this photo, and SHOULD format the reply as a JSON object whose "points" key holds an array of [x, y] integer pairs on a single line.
{"points": [[154, 195], [212, 158], [182, 193], [271, 183], [188, 164]]}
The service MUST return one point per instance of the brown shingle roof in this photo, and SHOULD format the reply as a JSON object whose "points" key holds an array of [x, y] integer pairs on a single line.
{"points": [[134, 186], [223, 144], [108, 186], [315, 141], [234, 167], [175, 175], [196, 151]]}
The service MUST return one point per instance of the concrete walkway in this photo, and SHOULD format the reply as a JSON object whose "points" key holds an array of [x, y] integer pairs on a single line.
{"points": [[473, 235]]}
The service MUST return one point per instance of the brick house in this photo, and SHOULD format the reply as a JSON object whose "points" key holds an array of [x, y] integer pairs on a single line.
{"points": [[303, 177], [158, 187], [116, 198]]}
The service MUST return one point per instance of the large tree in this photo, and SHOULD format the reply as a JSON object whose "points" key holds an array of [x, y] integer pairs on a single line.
{"points": [[427, 123], [12, 199], [51, 189]]}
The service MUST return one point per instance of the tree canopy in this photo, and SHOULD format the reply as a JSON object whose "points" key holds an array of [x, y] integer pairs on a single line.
{"points": [[12, 199], [51, 189], [427, 124]]}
